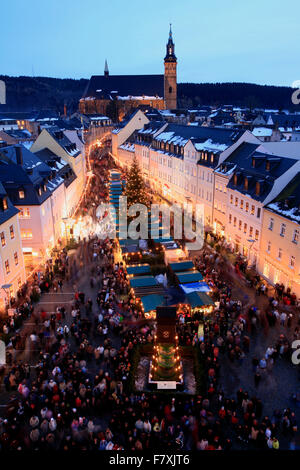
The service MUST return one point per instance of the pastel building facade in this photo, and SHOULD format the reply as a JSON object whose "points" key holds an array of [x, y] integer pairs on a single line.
{"points": [[12, 271]]}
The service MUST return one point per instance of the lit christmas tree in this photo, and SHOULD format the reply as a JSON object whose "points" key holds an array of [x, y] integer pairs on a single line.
{"points": [[135, 186]]}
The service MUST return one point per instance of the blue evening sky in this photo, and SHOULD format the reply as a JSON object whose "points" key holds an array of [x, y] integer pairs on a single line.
{"points": [[254, 41]]}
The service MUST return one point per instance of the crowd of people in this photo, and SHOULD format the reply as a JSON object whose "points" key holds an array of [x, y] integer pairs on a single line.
{"points": [[70, 383]]}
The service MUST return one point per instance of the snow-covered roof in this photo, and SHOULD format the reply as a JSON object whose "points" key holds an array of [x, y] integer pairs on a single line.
{"points": [[262, 132]]}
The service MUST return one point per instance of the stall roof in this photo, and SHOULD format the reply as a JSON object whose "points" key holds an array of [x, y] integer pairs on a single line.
{"points": [[189, 276], [138, 269], [182, 266], [143, 281], [150, 302], [198, 299]]}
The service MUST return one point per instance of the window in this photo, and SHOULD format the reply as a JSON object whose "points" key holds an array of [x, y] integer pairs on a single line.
{"points": [[279, 253], [292, 261], [3, 242], [247, 207], [257, 188], [282, 230], [5, 204], [230, 218], [258, 212], [19, 282], [256, 234], [251, 232], [252, 210], [21, 194], [7, 269], [242, 204], [245, 228], [295, 236], [26, 233], [231, 199], [269, 247], [11, 231], [16, 258], [240, 225], [234, 221], [236, 201], [271, 224], [170, 89]]}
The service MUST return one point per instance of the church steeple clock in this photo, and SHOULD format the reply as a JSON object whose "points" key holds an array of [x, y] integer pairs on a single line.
{"points": [[170, 81]]}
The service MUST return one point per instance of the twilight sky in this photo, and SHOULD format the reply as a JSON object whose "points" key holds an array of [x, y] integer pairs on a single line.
{"points": [[254, 41]]}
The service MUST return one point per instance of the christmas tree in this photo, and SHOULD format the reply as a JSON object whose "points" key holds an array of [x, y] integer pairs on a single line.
{"points": [[135, 186]]}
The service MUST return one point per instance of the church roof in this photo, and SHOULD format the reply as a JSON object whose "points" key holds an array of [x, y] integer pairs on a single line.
{"points": [[101, 86]]}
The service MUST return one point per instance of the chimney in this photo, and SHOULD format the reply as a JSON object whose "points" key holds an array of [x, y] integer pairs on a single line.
{"points": [[19, 155]]}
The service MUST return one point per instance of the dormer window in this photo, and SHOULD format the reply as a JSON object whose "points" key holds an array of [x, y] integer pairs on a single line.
{"points": [[212, 158], [40, 190], [44, 188], [4, 204], [268, 165], [21, 194], [257, 188], [235, 179], [253, 162], [246, 184]]}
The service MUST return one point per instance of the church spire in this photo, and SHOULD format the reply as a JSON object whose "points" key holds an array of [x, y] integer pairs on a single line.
{"points": [[106, 72], [170, 55]]}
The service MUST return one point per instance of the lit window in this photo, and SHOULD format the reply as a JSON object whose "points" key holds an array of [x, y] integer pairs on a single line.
{"points": [[231, 199], [245, 228], [279, 253], [242, 204], [26, 234], [3, 242], [236, 201], [292, 261], [7, 267], [252, 210], [256, 234], [269, 247], [247, 207], [282, 230], [11, 231], [21, 194], [4, 203], [271, 224], [19, 282], [258, 212], [16, 258], [251, 232], [296, 236]]}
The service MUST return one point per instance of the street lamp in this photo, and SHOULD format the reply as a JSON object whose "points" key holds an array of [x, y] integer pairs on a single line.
{"points": [[6, 288]]}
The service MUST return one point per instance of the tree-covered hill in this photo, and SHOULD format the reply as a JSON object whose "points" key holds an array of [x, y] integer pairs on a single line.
{"points": [[26, 93]]}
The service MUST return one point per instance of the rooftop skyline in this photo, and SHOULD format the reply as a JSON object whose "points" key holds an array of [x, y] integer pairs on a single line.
{"points": [[214, 42]]}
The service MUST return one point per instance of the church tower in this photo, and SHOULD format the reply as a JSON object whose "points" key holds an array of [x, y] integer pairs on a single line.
{"points": [[170, 82]]}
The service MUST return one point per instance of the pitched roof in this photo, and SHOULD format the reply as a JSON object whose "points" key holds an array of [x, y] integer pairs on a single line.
{"points": [[11, 211], [124, 85], [287, 203], [243, 157]]}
